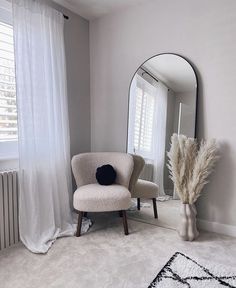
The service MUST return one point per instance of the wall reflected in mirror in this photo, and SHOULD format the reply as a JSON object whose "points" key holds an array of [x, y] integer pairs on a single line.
{"points": [[162, 101]]}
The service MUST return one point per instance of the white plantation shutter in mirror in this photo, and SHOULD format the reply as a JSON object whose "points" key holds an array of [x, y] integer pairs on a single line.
{"points": [[143, 118], [8, 111]]}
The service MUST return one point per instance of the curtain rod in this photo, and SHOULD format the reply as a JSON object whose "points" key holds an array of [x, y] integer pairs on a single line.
{"points": [[10, 1], [146, 72], [153, 77]]}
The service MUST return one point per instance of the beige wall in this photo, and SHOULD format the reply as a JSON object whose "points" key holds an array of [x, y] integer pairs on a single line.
{"points": [[202, 31], [77, 64], [188, 99]]}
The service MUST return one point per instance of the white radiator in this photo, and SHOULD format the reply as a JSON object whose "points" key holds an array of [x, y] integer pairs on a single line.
{"points": [[147, 172], [9, 227]]}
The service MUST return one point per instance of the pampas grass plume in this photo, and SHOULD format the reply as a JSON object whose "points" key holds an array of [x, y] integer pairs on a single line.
{"points": [[189, 166]]}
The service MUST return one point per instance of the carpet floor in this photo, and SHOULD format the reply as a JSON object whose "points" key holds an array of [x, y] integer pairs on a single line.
{"points": [[104, 257]]}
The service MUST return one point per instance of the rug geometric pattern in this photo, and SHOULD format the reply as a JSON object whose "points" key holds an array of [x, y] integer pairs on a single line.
{"points": [[181, 271]]}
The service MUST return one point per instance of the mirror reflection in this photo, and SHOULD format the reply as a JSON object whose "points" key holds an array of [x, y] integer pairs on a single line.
{"points": [[162, 101]]}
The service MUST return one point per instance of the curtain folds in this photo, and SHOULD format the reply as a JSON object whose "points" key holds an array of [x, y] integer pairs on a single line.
{"points": [[159, 136], [132, 110], [44, 155]]}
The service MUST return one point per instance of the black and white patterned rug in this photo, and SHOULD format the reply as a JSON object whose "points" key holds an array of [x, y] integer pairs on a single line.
{"points": [[181, 271]]}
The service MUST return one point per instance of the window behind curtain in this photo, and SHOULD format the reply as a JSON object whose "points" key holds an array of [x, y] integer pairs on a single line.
{"points": [[144, 118], [8, 112]]}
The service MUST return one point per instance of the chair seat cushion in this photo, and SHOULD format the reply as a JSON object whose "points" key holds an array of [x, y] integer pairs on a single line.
{"points": [[145, 189], [97, 198]]}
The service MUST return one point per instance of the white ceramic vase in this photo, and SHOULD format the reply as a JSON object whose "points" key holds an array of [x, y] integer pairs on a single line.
{"points": [[188, 228]]}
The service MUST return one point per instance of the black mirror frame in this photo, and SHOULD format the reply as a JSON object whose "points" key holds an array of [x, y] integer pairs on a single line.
{"points": [[197, 90]]}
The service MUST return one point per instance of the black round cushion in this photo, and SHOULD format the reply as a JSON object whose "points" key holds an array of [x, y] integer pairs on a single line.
{"points": [[106, 175]]}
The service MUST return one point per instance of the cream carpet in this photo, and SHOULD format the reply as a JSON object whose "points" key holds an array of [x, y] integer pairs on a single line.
{"points": [[104, 257]]}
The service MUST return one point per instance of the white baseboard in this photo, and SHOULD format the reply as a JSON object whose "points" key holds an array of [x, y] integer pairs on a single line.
{"points": [[217, 227]]}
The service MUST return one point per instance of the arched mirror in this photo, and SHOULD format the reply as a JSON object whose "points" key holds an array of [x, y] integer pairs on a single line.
{"points": [[162, 101]]}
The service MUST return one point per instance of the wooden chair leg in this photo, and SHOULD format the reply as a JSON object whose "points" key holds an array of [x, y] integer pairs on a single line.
{"points": [[155, 207], [80, 217], [138, 203], [125, 222]]}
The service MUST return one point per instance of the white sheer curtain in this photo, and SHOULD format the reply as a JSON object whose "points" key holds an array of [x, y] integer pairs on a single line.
{"points": [[159, 136], [131, 122], [44, 176]]}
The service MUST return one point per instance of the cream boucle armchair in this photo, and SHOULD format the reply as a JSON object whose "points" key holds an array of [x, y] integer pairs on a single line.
{"points": [[93, 197]]}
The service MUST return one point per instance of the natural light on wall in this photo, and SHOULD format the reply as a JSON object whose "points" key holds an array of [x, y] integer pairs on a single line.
{"points": [[8, 112]]}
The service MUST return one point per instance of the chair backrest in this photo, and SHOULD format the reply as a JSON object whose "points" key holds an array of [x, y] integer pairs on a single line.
{"points": [[138, 167], [84, 167]]}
